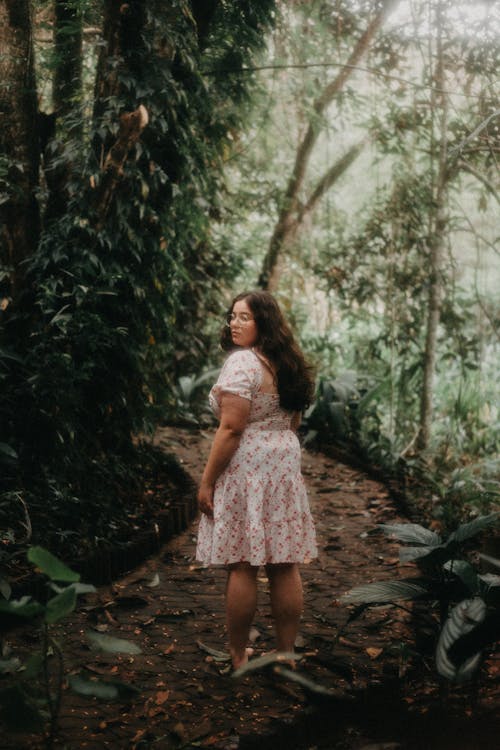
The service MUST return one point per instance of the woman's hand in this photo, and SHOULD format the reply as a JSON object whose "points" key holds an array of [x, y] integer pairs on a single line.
{"points": [[206, 499]]}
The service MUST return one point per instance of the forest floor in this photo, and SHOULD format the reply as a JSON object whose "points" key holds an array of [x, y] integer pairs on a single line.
{"points": [[381, 694]]}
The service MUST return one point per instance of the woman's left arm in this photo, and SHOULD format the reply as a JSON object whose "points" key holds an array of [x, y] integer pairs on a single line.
{"points": [[234, 411]]}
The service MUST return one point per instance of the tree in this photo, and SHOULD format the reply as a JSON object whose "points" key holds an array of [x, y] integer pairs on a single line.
{"points": [[19, 145], [379, 269], [437, 222], [68, 50], [293, 210], [109, 298]]}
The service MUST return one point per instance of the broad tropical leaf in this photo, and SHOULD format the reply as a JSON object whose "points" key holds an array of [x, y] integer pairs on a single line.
{"points": [[23, 607], [465, 572], [490, 579], [412, 533], [94, 688], [214, 653], [51, 565], [305, 682], [110, 644], [9, 666], [409, 554], [381, 592], [470, 529], [261, 662], [61, 605], [491, 560], [5, 588], [79, 588], [462, 619], [8, 451]]}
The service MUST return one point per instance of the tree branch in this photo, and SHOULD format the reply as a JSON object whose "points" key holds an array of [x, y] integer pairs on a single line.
{"points": [[286, 221], [330, 177], [131, 126], [481, 177]]}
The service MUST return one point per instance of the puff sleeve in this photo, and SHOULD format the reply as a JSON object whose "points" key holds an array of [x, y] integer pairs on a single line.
{"points": [[241, 375]]}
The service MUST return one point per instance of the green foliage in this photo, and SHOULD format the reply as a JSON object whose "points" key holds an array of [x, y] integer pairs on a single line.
{"points": [[106, 690], [357, 274], [116, 300], [191, 404], [466, 599], [347, 412], [31, 700]]}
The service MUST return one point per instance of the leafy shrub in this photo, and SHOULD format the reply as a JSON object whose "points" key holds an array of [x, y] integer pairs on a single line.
{"points": [[467, 602], [32, 699]]}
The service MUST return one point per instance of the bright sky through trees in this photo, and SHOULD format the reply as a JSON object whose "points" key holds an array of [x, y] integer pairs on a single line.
{"points": [[467, 17]]}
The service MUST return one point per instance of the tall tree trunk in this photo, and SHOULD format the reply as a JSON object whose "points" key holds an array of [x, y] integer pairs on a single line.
{"points": [[67, 94], [19, 146], [437, 226], [68, 37], [287, 224]]}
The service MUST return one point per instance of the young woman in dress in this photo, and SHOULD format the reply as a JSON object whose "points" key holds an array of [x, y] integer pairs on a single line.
{"points": [[252, 496]]}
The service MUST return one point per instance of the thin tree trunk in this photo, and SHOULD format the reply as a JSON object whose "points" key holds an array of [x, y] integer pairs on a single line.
{"points": [[289, 231], [68, 37], [437, 236], [286, 224], [19, 146], [131, 126]]}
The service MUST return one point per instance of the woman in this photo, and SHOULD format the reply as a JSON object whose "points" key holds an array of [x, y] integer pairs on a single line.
{"points": [[252, 495]]}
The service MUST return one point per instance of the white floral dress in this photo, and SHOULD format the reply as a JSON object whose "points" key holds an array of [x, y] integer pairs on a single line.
{"points": [[261, 510]]}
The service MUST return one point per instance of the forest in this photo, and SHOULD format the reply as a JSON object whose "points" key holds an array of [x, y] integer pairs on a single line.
{"points": [[156, 159]]}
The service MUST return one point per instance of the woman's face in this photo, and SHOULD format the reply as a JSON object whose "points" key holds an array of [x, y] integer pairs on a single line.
{"points": [[243, 326]]}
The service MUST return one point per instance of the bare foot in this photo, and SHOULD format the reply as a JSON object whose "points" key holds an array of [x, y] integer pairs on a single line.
{"points": [[240, 660]]}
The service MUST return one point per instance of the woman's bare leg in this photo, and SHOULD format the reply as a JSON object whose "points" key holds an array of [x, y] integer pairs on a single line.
{"points": [[286, 602], [241, 603]]}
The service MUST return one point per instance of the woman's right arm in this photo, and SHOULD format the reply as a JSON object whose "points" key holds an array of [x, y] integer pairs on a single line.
{"points": [[234, 411]]}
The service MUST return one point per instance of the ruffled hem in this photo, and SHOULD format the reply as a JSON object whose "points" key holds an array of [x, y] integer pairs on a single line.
{"points": [[257, 547]]}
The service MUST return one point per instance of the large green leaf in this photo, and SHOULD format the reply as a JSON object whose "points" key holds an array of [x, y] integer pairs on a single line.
{"points": [[305, 682], [470, 529], [23, 607], [60, 606], [491, 560], [465, 572], [262, 662], [8, 451], [101, 689], [490, 579], [412, 533], [215, 653], [409, 554], [51, 565], [5, 588], [10, 666], [463, 618], [381, 592], [79, 588], [110, 644]]}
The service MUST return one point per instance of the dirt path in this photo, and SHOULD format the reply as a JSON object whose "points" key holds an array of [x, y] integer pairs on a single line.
{"points": [[174, 610]]}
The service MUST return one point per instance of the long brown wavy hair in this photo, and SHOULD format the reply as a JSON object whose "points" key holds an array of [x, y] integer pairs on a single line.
{"points": [[294, 374]]}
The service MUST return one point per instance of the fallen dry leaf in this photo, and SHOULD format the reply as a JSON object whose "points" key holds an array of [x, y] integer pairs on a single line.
{"points": [[161, 697]]}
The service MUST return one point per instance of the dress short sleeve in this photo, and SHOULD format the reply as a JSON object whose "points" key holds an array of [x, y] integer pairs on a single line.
{"points": [[241, 375]]}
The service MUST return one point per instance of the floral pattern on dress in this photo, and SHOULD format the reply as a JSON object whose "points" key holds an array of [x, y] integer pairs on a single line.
{"points": [[261, 510]]}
